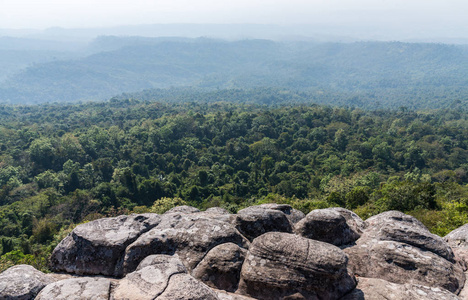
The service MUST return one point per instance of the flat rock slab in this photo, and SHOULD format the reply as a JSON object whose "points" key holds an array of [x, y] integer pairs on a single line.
{"points": [[280, 265], [94, 248], [22, 282], [379, 289], [93, 288]]}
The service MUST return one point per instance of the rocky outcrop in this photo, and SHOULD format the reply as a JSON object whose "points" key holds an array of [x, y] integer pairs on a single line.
{"points": [[22, 282], [337, 226], [191, 254], [189, 236], [379, 289], [398, 248], [280, 265], [96, 247]]}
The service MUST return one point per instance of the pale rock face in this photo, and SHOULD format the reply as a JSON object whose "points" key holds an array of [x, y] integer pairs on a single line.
{"points": [[458, 240], [379, 289], [96, 247], [150, 279], [332, 225], [22, 282], [192, 289], [76, 289], [223, 295], [280, 265], [398, 248]]}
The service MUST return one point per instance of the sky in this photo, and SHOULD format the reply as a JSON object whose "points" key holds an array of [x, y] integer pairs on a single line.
{"points": [[443, 17]]}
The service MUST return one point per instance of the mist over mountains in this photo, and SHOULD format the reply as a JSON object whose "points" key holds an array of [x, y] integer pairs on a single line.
{"points": [[108, 66], [63, 65]]}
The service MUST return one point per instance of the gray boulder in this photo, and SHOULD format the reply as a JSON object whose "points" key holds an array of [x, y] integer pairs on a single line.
{"points": [[398, 248], [335, 226], [218, 210], [458, 240], [184, 209], [256, 220], [292, 214], [284, 266], [379, 289], [190, 236], [22, 282], [221, 267], [77, 289], [96, 247], [416, 236], [392, 216]]}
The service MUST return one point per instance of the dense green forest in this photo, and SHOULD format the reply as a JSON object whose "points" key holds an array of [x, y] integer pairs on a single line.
{"points": [[61, 165], [369, 74]]}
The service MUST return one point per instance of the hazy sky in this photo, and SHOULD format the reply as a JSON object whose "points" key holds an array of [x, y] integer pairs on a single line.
{"points": [[416, 14]]}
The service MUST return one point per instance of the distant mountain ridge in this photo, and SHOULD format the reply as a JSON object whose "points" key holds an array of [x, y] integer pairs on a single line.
{"points": [[118, 65]]}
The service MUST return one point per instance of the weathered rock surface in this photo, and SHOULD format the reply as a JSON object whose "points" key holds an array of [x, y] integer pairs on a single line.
{"points": [[189, 236], [355, 223], [458, 240], [292, 214], [256, 220], [185, 287], [184, 209], [218, 210], [77, 289], [95, 247], [150, 279], [223, 295], [393, 216], [221, 267], [334, 226], [379, 289], [162, 277], [280, 265], [190, 254], [398, 248], [416, 236], [22, 282]]}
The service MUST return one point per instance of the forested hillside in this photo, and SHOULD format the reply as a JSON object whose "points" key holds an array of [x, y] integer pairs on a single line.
{"points": [[65, 164], [379, 74]]}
